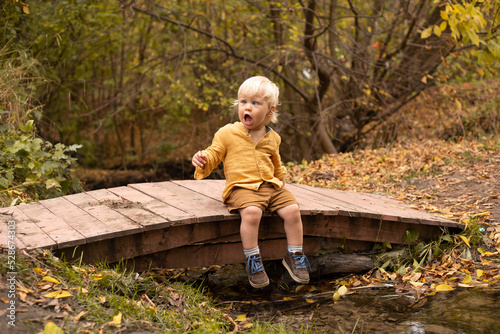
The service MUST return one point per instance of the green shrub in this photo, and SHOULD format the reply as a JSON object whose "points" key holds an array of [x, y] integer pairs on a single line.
{"points": [[31, 168]]}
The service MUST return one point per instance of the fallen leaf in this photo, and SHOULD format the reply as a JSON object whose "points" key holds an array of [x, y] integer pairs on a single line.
{"points": [[416, 284], [241, 318], [58, 294], [443, 288], [467, 279], [51, 279], [479, 273], [336, 296], [117, 319], [22, 296], [39, 271], [52, 328], [79, 316], [465, 240], [342, 290]]}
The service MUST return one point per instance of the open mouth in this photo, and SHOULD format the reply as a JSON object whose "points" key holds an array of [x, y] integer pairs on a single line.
{"points": [[248, 119]]}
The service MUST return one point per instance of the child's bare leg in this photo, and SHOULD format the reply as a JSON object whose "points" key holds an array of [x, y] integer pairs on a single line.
{"points": [[249, 231], [293, 224], [249, 228], [295, 261]]}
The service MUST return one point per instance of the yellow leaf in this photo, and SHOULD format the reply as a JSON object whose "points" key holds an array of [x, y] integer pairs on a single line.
{"points": [[336, 296], [102, 299], [52, 328], [467, 279], [248, 325], [426, 32], [465, 240], [479, 273], [51, 279], [424, 80], [26, 10], [117, 319], [39, 271], [58, 294], [342, 290], [443, 25], [437, 30], [287, 299], [241, 318], [310, 301], [443, 287], [97, 277]]}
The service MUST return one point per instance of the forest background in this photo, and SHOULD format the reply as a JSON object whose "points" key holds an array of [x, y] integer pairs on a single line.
{"points": [[137, 84]]}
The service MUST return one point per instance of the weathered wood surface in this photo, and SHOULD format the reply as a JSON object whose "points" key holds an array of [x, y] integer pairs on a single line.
{"points": [[185, 224]]}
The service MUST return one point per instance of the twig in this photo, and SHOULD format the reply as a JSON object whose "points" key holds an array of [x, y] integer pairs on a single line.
{"points": [[233, 322]]}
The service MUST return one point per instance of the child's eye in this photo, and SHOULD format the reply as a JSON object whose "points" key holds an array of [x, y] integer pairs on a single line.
{"points": [[255, 103], [243, 101]]}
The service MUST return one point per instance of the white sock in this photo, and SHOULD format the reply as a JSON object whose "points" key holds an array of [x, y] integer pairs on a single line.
{"points": [[294, 249], [253, 251]]}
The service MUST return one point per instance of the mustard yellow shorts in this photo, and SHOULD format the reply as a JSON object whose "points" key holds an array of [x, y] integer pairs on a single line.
{"points": [[266, 198]]}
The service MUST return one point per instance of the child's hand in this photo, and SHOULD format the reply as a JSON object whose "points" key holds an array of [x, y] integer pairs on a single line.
{"points": [[199, 159]]}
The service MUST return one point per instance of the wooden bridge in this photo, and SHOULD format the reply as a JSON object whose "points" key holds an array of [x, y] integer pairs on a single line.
{"points": [[178, 224]]}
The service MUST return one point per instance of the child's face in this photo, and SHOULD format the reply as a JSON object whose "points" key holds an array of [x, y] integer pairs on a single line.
{"points": [[253, 111]]}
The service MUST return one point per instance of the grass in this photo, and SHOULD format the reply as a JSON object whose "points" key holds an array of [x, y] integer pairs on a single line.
{"points": [[117, 300]]}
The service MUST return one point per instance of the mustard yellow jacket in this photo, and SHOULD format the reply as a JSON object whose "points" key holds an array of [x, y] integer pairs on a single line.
{"points": [[246, 164]]}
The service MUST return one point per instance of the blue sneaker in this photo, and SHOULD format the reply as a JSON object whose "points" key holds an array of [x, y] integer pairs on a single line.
{"points": [[297, 265], [256, 274]]}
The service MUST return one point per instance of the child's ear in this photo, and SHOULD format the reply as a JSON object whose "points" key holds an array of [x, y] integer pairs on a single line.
{"points": [[271, 110]]}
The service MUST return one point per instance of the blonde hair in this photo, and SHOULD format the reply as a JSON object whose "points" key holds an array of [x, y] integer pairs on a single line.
{"points": [[264, 87]]}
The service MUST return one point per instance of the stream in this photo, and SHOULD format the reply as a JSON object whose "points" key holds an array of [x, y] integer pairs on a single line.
{"points": [[363, 310]]}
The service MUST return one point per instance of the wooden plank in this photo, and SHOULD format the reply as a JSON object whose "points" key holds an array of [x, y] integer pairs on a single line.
{"points": [[154, 205], [27, 231], [313, 205], [202, 207], [118, 223], [4, 228], [358, 228], [390, 208], [55, 227], [425, 217], [209, 188], [344, 207], [130, 207], [87, 225], [130, 246], [214, 188], [387, 209]]}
